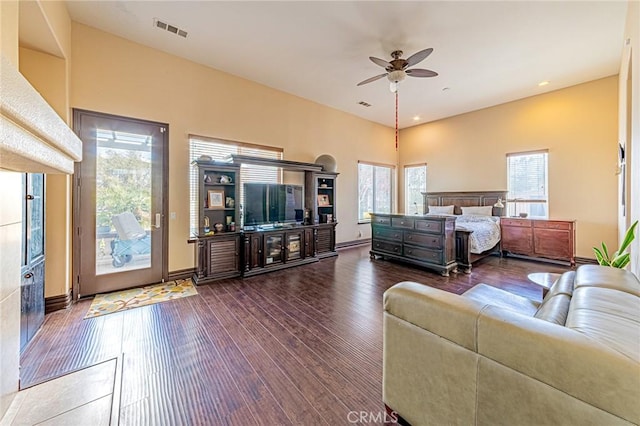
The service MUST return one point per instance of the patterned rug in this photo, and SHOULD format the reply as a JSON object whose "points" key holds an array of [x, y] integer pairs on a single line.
{"points": [[117, 301]]}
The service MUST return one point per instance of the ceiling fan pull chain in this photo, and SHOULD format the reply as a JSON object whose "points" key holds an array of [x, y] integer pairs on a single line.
{"points": [[396, 119]]}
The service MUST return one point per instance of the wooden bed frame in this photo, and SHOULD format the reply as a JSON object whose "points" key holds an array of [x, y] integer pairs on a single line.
{"points": [[464, 257]]}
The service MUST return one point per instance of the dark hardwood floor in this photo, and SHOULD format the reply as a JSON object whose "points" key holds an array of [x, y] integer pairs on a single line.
{"points": [[297, 346]]}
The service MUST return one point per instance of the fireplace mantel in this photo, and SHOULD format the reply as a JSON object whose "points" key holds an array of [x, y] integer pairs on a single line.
{"points": [[33, 138]]}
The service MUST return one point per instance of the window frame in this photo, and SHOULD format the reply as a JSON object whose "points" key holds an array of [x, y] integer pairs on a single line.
{"points": [[515, 203], [392, 172], [406, 189]]}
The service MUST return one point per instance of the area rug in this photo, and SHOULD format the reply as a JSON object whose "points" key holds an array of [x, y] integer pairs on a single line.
{"points": [[117, 301]]}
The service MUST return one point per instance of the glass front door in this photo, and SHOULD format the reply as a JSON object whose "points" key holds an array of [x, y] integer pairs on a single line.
{"points": [[120, 208]]}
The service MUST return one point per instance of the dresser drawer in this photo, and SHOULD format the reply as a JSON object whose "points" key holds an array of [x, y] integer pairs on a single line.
{"points": [[387, 233], [524, 223], [433, 226], [552, 224], [425, 240], [424, 255], [387, 246], [402, 222], [381, 220]]}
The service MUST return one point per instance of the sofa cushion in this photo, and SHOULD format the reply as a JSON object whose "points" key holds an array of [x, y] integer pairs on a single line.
{"points": [[493, 296], [608, 316], [554, 309], [607, 277], [564, 285]]}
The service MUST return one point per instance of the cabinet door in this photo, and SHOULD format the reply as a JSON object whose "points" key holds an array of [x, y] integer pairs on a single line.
{"points": [[273, 249], [325, 237], [552, 243], [517, 239], [294, 245], [223, 255]]}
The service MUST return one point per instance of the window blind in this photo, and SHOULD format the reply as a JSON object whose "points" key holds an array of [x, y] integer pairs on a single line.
{"points": [[219, 149], [527, 179]]}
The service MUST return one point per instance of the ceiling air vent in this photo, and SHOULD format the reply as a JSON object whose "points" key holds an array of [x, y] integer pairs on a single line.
{"points": [[168, 27], [364, 104]]}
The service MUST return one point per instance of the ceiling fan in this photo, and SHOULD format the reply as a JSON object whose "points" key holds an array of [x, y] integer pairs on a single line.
{"points": [[397, 68]]}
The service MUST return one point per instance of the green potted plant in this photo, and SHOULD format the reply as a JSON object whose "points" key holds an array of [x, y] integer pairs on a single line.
{"points": [[620, 258]]}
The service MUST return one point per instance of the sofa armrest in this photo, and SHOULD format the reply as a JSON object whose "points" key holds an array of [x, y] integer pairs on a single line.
{"points": [[446, 314], [562, 358]]}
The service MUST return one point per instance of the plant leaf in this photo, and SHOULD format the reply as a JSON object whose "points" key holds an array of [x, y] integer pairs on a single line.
{"points": [[599, 256], [628, 237], [621, 261], [605, 253]]}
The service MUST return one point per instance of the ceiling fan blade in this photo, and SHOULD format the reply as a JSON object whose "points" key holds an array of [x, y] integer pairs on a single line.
{"points": [[418, 56], [381, 62], [417, 72], [369, 80]]}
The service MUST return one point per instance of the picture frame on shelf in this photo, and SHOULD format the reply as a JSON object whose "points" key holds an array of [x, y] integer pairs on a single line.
{"points": [[216, 198], [323, 200]]}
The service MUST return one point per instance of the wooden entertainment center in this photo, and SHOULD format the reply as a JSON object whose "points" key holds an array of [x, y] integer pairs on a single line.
{"points": [[233, 250]]}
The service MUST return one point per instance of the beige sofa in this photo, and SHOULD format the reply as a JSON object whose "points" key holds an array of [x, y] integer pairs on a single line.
{"points": [[491, 358]]}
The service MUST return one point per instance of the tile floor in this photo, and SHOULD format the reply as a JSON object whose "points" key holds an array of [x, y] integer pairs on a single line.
{"points": [[85, 396]]}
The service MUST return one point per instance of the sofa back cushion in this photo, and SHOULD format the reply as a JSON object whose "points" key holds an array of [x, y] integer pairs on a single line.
{"points": [[555, 306], [554, 309], [607, 277]]}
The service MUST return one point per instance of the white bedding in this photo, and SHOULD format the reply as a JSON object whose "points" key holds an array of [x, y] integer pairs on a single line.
{"points": [[486, 231]]}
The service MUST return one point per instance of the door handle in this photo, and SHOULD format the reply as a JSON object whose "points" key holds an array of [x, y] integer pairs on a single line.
{"points": [[158, 219], [28, 275]]}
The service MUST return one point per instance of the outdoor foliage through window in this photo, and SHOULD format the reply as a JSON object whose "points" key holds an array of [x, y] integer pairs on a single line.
{"points": [[415, 183], [375, 183]]}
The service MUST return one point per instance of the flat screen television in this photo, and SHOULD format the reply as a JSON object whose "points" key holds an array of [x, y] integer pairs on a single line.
{"points": [[268, 203]]}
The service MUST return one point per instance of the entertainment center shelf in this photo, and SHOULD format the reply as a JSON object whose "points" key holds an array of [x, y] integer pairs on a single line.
{"points": [[226, 247]]}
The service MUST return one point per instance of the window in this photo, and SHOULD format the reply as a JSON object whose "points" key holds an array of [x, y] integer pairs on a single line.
{"points": [[527, 180], [375, 189], [415, 183], [220, 150]]}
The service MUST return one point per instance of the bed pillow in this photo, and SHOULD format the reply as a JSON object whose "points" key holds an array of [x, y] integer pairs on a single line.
{"points": [[441, 209], [478, 210]]}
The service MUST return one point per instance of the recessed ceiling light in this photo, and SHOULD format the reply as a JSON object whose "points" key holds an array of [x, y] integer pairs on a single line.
{"points": [[543, 83], [416, 118]]}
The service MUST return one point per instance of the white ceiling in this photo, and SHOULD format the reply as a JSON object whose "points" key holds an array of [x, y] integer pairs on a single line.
{"points": [[486, 53]]}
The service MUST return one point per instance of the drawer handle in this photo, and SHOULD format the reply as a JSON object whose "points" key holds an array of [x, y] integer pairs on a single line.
{"points": [[410, 237], [395, 235], [395, 249]]}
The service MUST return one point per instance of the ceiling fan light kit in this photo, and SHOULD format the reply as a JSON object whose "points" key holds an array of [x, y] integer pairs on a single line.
{"points": [[398, 68]]}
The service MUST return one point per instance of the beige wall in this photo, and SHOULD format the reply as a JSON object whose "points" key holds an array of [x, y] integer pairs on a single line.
{"points": [[578, 126], [112, 75]]}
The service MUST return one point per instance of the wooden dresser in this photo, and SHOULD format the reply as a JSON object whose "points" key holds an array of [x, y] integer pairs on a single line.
{"points": [[541, 238], [424, 241]]}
